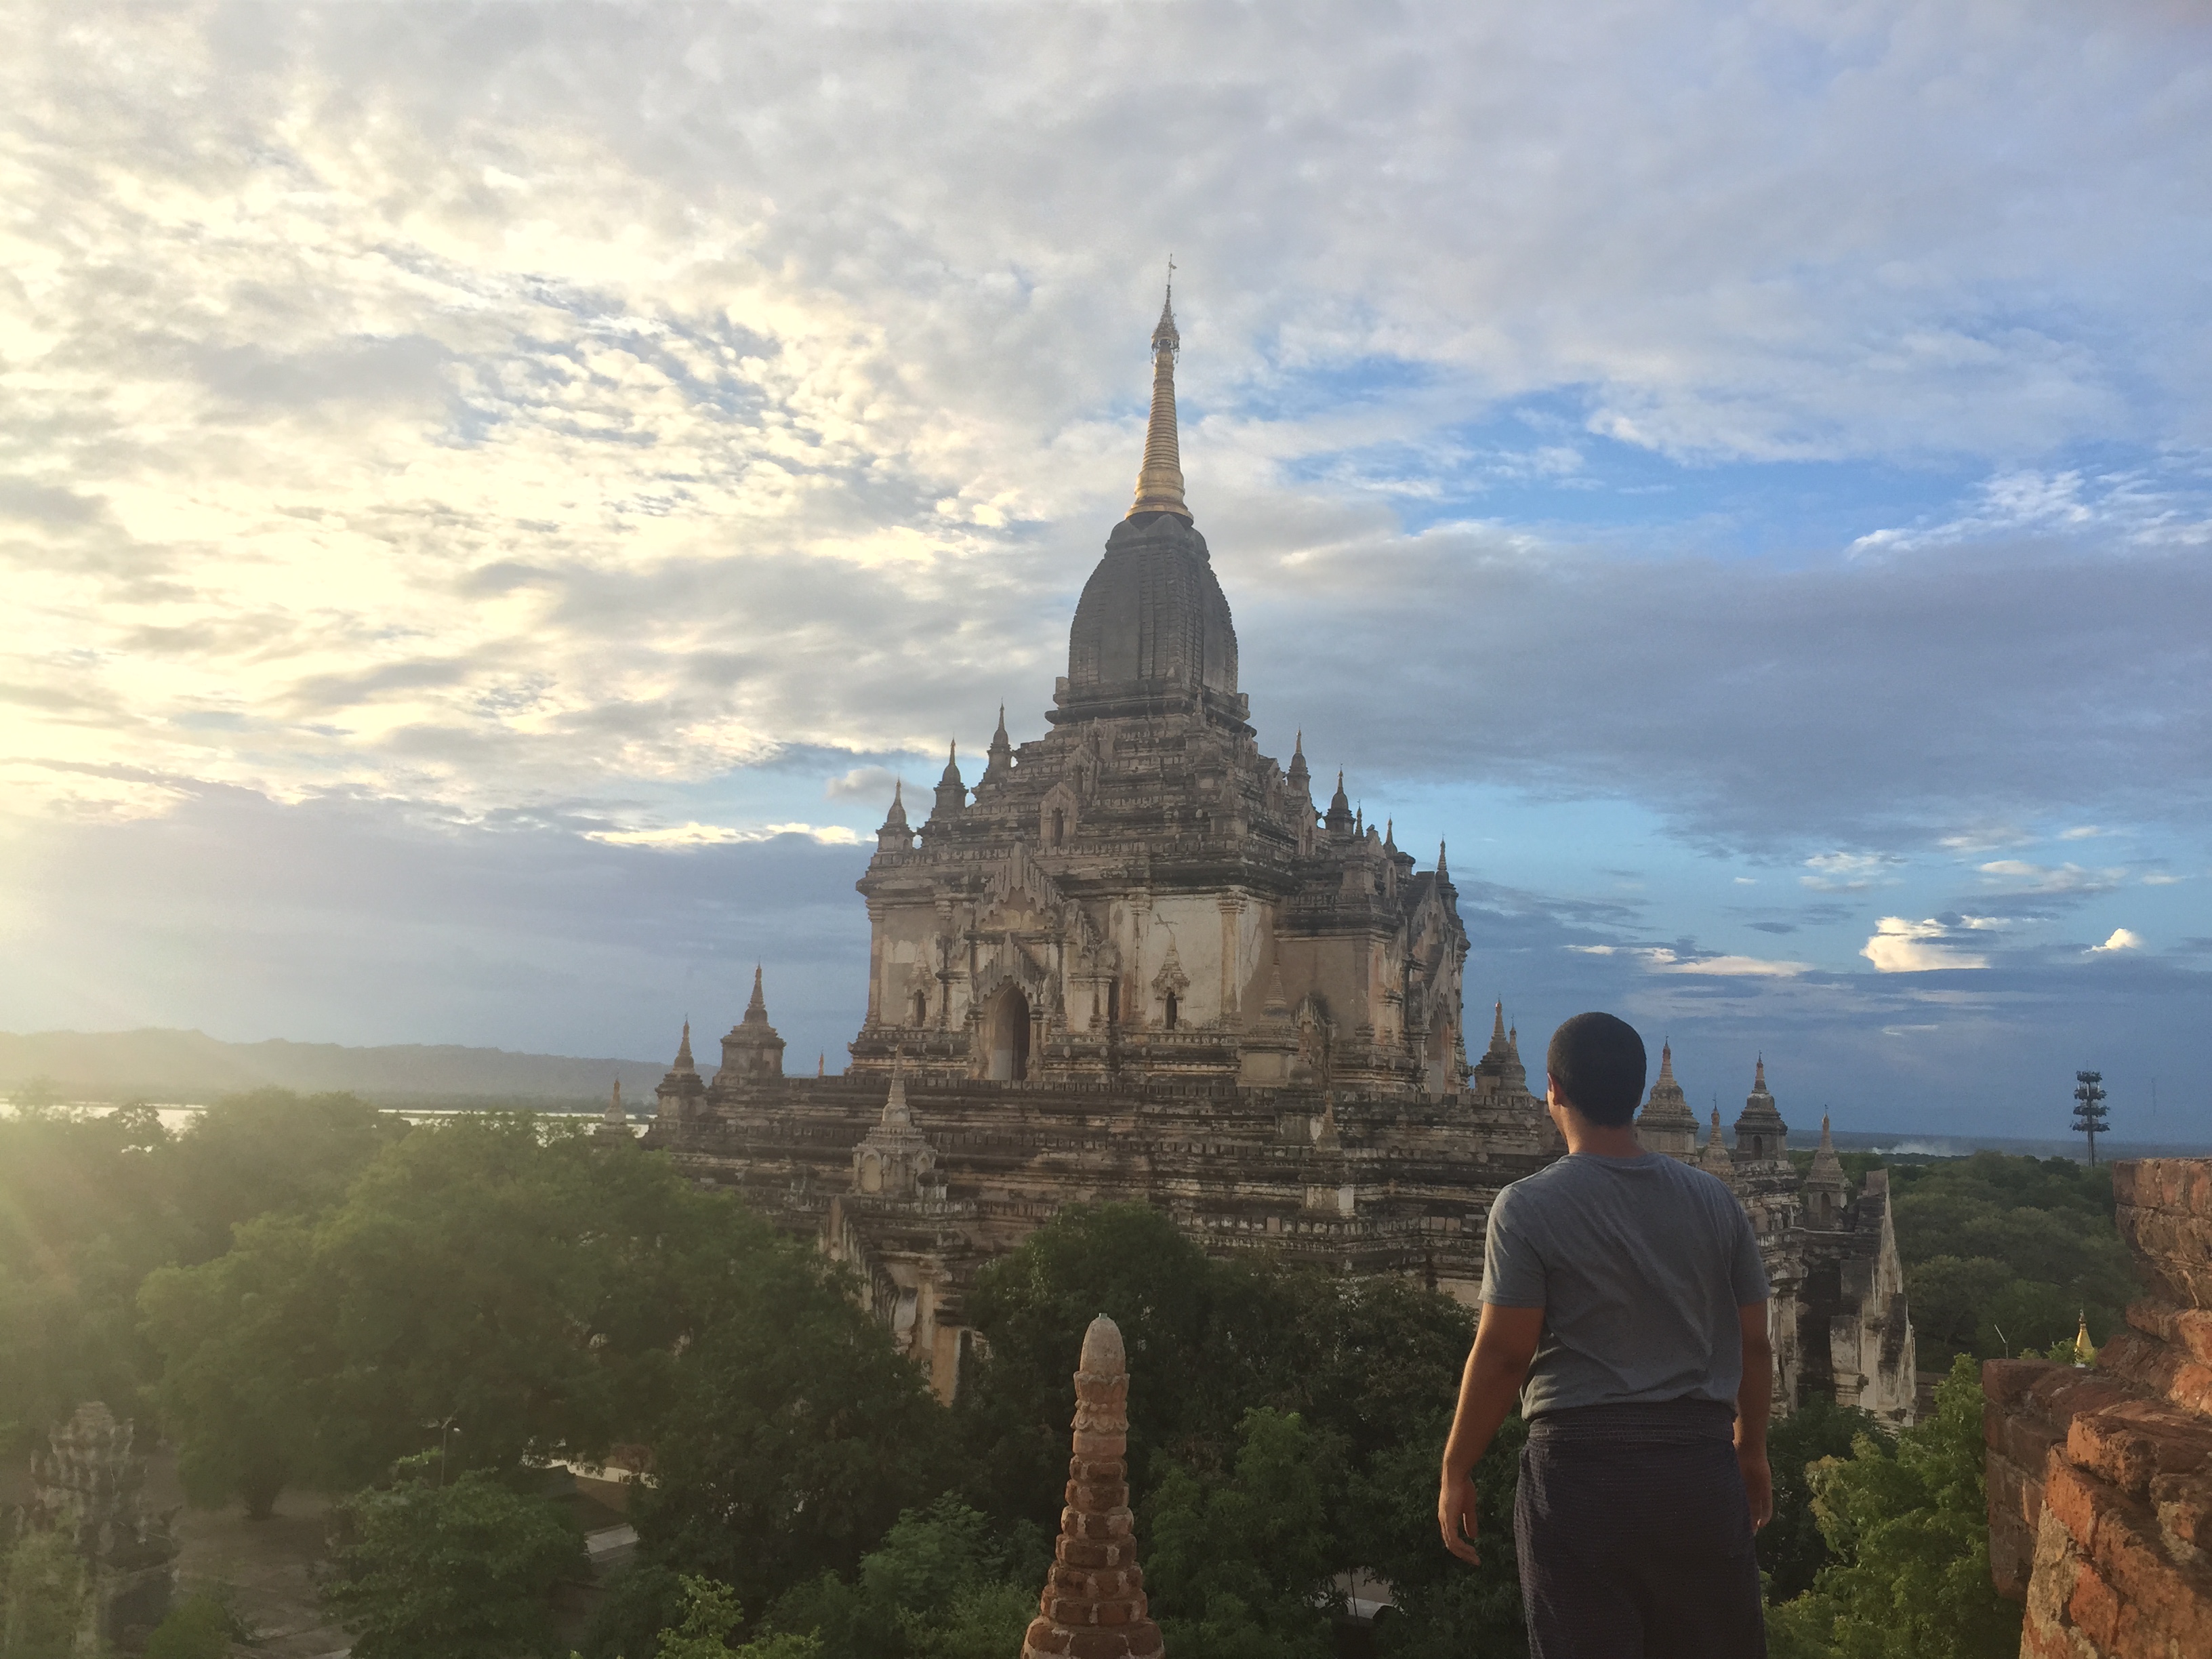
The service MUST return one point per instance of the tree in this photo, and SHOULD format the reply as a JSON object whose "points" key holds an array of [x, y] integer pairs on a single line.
{"points": [[1239, 1566], [271, 1151], [44, 1579], [1909, 1530], [2006, 1253], [945, 1583], [1191, 1350], [1791, 1550], [461, 1571], [243, 1416], [83, 1208], [797, 1437], [201, 1627], [2089, 1110], [532, 1289], [1442, 1607]]}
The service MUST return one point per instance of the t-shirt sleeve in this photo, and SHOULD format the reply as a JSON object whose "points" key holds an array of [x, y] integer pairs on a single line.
{"points": [[1512, 1272], [1746, 1273]]}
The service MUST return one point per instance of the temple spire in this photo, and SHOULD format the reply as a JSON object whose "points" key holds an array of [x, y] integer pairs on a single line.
{"points": [[684, 1062], [1666, 1061], [952, 792], [1159, 484], [1443, 869], [757, 1009], [1001, 750]]}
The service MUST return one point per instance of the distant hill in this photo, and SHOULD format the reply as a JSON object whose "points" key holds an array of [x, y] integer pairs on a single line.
{"points": [[189, 1066]]}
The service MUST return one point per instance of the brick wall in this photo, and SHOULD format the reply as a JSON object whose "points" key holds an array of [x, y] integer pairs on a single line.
{"points": [[2100, 1480]]}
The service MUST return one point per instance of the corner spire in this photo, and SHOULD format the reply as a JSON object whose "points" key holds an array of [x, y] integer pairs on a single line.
{"points": [[951, 791], [1443, 869], [1160, 484], [1001, 752]]}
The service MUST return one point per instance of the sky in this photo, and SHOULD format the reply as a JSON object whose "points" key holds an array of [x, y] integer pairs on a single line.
{"points": [[492, 496]]}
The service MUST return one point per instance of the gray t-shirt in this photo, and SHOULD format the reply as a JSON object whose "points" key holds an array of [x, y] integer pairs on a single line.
{"points": [[1639, 1265]]}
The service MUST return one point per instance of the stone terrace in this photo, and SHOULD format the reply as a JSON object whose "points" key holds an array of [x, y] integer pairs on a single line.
{"points": [[2101, 1480]]}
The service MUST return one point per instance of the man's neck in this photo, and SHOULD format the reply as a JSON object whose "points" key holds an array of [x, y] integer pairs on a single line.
{"points": [[1599, 1139]]}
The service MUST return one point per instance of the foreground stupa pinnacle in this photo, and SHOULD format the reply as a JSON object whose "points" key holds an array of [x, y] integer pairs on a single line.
{"points": [[1159, 483]]}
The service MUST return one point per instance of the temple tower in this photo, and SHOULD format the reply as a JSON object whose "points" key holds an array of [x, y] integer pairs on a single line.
{"points": [[1120, 897], [1667, 1125]]}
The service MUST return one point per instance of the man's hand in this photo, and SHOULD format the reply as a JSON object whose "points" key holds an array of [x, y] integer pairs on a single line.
{"points": [[1455, 1515], [1504, 1342], [1755, 1399], [1758, 1484]]}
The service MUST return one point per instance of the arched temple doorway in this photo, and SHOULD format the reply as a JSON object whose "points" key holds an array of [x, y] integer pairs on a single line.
{"points": [[1006, 1036]]}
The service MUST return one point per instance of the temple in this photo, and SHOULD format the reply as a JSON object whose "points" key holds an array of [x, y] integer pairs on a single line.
{"points": [[1136, 960]]}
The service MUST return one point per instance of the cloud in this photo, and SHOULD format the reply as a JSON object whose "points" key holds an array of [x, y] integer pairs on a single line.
{"points": [[478, 415], [1902, 946], [861, 783], [1739, 967], [2122, 939], [1664, 959], [1985, 839], [2129, 506], [1850, 873], [677, 835], [2016, 875]]}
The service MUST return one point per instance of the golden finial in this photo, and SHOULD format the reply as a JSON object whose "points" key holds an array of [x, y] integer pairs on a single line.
{"points": [[1159, 483]]}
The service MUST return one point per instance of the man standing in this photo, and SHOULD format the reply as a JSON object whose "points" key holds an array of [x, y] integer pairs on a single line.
{"points": [[1623, 1298]]}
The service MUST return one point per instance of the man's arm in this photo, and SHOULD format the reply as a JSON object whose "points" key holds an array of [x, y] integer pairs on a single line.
{"points": [[1504, 1342], [1754, 1397]]}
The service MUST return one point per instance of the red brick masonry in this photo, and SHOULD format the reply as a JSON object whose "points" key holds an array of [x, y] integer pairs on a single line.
{"points": [[2100, 1480], [1093, 1606]]}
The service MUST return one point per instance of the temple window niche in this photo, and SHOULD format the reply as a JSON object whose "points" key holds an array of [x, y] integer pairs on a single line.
{"points": [[1168, 1011], [1056, 816], [1008, 1037], [921, 1008]]}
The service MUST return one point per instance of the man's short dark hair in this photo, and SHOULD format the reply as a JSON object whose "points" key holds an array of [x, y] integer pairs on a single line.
{"points": [[1597, 1061]]}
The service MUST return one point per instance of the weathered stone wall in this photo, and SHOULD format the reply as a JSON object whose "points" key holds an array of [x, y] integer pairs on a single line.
{"points": [[2100, 1479]]}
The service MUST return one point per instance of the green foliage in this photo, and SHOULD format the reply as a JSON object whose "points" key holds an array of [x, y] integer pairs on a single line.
{"points": [[1909, 1532], [2004, 1254], [90, 1205], [82, 1202], [945, 1583], [1443, 1608], [533, 1289], [1363, 1361], [1369, 1366], [269, 1152], [461, 1571], [1791, 1550], [200, 1627], [710, 1613], [1240, 1563], [239, 1411], [44, 1580], [796, 1437], [983, 1621]]}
